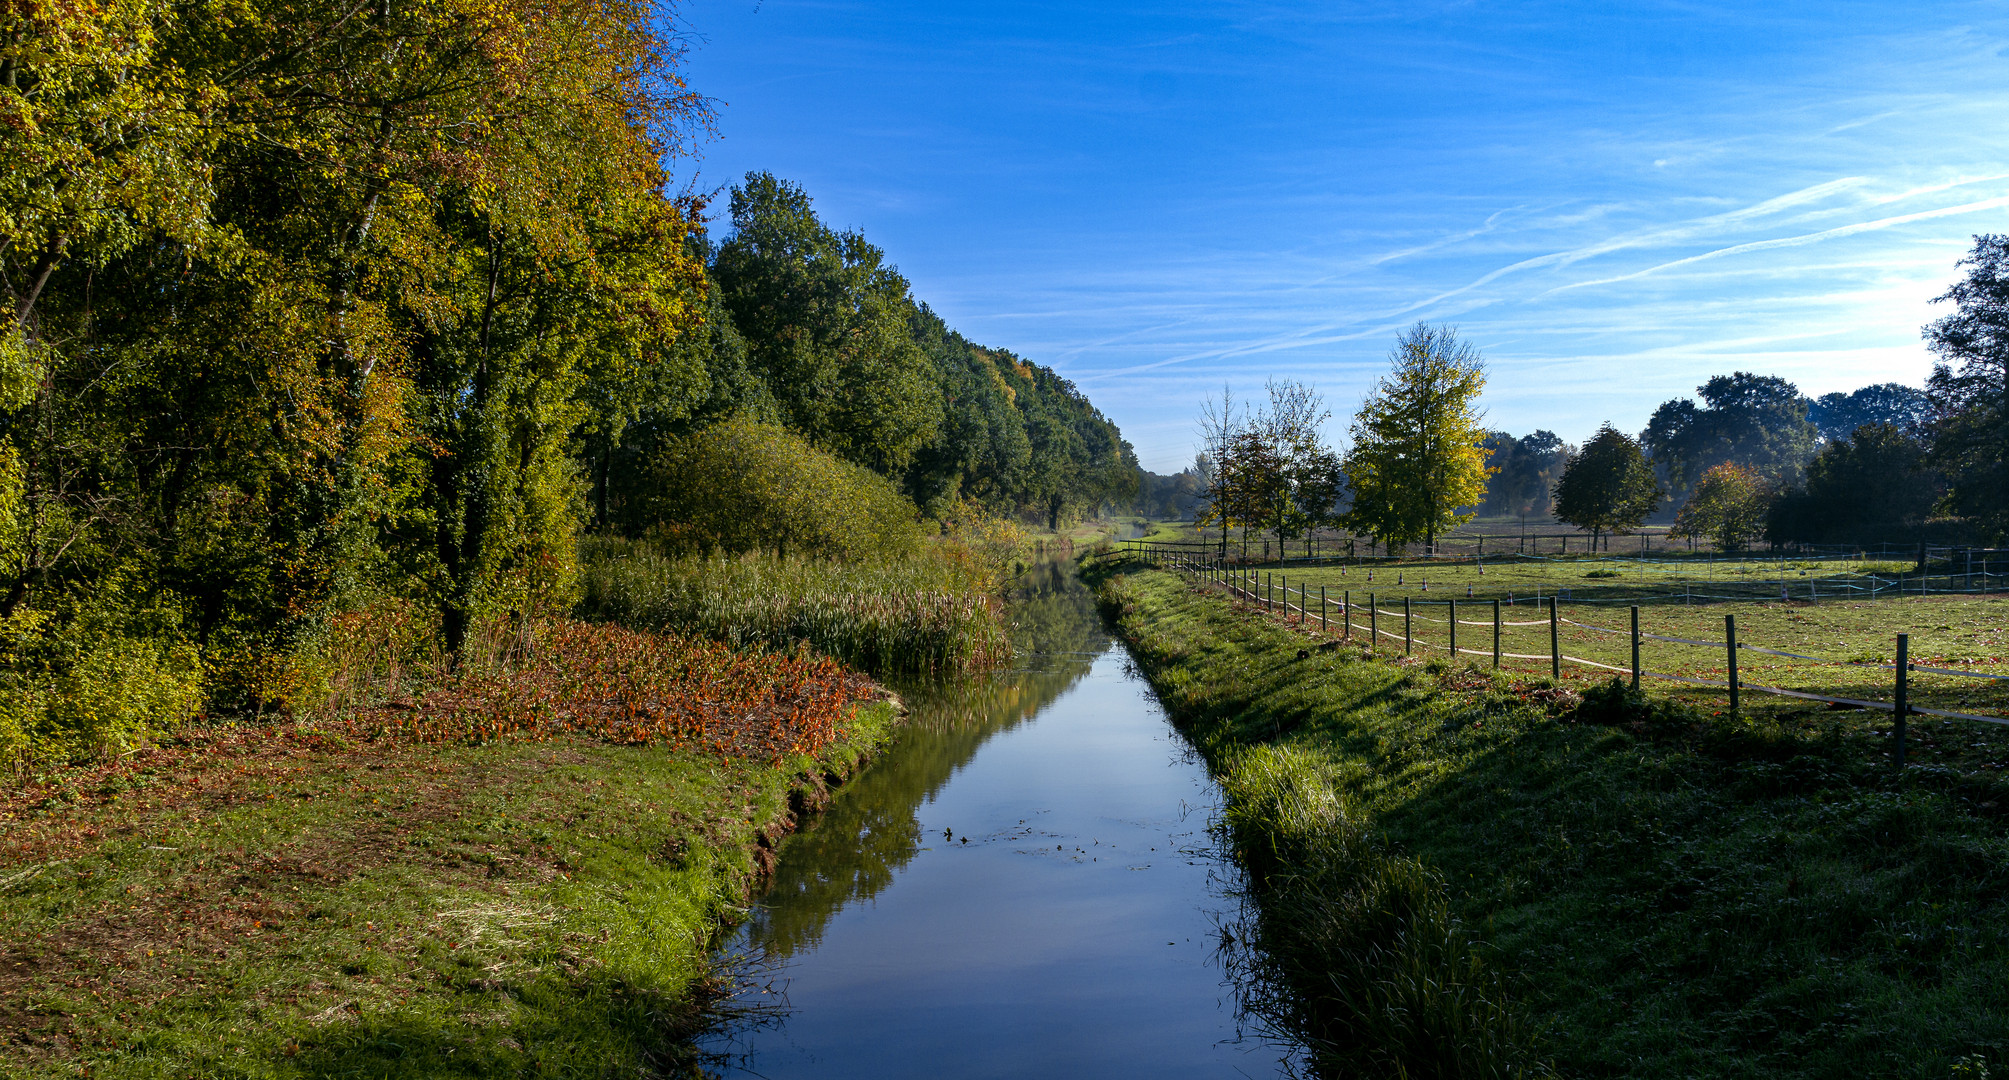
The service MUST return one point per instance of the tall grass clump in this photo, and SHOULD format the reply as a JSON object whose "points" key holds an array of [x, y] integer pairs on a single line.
{"points": [[1358, 953], [920, 612]]}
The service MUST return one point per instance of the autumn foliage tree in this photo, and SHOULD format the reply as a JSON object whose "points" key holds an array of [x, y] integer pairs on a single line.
{"points": [[1728, 505], [301, 299], [1418, 451]]}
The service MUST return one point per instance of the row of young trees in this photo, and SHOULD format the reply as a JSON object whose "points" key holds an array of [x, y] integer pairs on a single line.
{"points": [[1417, 456]]}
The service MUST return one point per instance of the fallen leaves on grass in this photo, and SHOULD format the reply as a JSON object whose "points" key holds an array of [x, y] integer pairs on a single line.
{"points": [[634, 689]]}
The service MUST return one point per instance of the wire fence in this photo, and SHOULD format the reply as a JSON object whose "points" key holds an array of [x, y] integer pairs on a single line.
{"points": [[1549, 538], [1272, 593], [1933, 571]]}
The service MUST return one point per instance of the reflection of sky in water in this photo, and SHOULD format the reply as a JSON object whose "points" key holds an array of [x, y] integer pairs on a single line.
{"points": [[1064, 927]]}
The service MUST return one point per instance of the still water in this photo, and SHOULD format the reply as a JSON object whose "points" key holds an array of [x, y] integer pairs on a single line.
{"points": [[1023, 885]]}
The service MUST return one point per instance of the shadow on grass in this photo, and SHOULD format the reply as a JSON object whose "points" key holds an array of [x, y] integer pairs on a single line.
{"points": [[1667, 892]]}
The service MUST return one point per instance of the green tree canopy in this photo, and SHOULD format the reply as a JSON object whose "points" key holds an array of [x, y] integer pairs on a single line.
{"points": [[1525, 471], [1866, 485], [1838, 415], [1970, 387], [1607, 486], [1757, 421], [825, 322], [1418, 451]]}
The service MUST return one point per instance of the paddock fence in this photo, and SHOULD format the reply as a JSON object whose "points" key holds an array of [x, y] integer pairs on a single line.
{"points": [[1272, 593]]}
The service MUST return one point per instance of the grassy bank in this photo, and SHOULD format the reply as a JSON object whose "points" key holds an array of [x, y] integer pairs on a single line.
{"points": [[517, 873], [931, 612], [1661, 892]]}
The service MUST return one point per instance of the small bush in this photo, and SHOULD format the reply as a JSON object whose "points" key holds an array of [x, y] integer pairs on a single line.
{"points": [[1602, 574], [111, 674], [742, 485]]}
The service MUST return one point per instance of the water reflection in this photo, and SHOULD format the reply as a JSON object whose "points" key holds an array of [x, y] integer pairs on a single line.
{"points": [[857, 847], [1023, 885]]}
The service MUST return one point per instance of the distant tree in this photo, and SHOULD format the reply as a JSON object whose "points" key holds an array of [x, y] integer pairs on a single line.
{"points": [[1876, 478], [1757, 421], [1607, 486], [1971, 442], [1729, 505], [1168, 498], [1286, 462], [1418, 448], [1838, 415], [1221, 423], [1526, 470]]}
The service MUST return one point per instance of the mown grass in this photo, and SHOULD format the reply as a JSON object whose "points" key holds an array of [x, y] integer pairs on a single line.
{"points": [[931, 612], [446, 898], [1665, 892]]}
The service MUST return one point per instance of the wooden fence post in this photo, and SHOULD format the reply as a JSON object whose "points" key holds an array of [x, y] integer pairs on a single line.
{"points": [[1408, 639], [1373, 624], [1730, 645], [1903, 693], [1323, 627], [1635, 648], [1555, 640], [1346, 614], [1496, 633], [1454, 631]]}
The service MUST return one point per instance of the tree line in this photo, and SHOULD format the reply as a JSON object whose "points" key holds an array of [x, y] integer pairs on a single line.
{"points": [[312, 305], [810, 329], [1749, 457]]}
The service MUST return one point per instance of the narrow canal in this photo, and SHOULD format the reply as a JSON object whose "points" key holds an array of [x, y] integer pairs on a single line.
{"points": [[1023, 885]]}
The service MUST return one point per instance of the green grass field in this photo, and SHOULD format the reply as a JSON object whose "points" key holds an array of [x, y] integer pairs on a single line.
{"points": [[1667, 892], [1968, 633]]}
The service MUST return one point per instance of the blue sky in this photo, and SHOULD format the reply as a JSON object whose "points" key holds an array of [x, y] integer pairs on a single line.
{"points": [[1614, 202]]}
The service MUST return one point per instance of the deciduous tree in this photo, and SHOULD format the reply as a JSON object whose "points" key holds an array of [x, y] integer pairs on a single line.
{"points": [[1607, 486], [1729, 506], [1870, 483], [1418, 451], [1758, 421], [1970, 386]]}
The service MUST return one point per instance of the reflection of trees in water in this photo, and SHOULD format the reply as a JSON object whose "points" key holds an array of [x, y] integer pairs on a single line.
{"points": [[1053, 612], [869, 832]]}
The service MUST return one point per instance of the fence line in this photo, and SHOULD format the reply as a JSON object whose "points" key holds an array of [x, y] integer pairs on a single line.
{"points": [[1244, 583], [1977, 578]]}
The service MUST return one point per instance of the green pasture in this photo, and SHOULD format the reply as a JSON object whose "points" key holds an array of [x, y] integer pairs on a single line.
{"points": [[1963, 632], [1616, 579]]}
